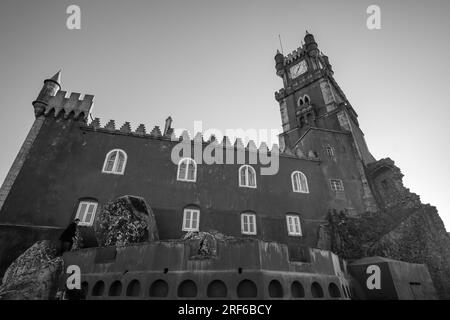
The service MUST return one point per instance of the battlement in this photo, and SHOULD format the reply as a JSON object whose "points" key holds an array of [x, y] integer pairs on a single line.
{"points": [[71, 106], [295, 55], [226, 142]]}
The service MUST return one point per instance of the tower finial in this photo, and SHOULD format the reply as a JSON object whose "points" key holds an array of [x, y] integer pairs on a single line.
{"points": [[57, 77], [281, 45], [168, 127]]}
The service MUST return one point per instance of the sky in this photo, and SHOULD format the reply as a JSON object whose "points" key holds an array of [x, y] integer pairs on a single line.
{"points": [[212, 61]]}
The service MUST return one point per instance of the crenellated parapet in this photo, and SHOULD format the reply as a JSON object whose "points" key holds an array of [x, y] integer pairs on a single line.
{"points": [[295, 55], [52, 101], [198, 138], [126, 129], [71, 106]]}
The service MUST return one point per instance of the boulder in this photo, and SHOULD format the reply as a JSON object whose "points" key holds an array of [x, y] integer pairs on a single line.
{"points": [[124, 221], [204, 244], [34, 275]]}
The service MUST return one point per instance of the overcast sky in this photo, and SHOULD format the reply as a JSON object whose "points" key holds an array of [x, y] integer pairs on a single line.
{"points": [[212, 60]]}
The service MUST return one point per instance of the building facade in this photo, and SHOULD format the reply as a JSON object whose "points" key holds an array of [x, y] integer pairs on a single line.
{"points": [[70, 167]]}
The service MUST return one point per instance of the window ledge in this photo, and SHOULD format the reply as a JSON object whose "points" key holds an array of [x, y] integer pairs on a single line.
{"points": [[116, 173]]}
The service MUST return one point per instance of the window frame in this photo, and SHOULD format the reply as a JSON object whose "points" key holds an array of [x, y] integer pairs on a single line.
{"points": [[83, 221], [185, 179], [307, 97], [255, 229], [116, 162], [190, 228], [332, 185], [247, 175], [295, 218], [299, 184], [329, 151]]}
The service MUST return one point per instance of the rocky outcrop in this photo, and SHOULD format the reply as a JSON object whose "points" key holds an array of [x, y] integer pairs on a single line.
{"points": [[420, 238], [125, 221], [404, 229], [34, 275]]}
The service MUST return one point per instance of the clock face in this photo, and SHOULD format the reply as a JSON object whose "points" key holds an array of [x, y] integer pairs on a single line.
{"points": [[299, 69]]}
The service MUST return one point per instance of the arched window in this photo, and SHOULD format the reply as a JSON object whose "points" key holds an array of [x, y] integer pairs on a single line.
{"points": [[333, 290], [247, 289], [134, 288], [299, 182], [86, 212], [275, 289], [248, 223], [159, 289], [297, 290], [115, 162], [115, 289], [247, 176], [99, 288], [300, 102], [187, 170], [217, 289], [187, 289], [330, 151], [316, 290], [191, 219], [306, 98], [293, 225]]}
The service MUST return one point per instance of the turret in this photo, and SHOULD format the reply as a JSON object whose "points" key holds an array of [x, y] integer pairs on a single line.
{"points": [[279, 64], [327, 64], [168, 126], [50, 88], [311, 45]]}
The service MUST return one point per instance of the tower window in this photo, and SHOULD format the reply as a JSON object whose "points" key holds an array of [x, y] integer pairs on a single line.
{"points": [[115, 162], [299, 182], [306, 98], [187, 170], [336, 185], [300, 102], [248, 223], [293, 225], [191, 219], [330, 151], [247, 176], [86, 212]]}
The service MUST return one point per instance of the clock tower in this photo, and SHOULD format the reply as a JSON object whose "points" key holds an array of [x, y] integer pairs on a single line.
{"points": [[311, 98]]}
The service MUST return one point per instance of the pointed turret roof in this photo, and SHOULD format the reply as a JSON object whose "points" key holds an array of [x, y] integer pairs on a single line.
{"points": [[57, 77]]}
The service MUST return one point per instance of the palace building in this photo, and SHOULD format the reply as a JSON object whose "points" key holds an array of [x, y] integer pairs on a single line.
{"points": [[70, 167]]}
